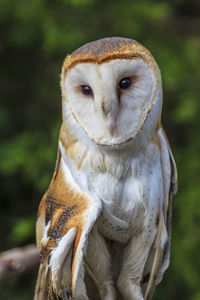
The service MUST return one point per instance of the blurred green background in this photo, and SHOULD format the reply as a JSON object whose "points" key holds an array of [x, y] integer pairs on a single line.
{"points": [[35, 37]]}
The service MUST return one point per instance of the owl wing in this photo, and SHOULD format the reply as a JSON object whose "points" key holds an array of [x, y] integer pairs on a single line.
{"points": [[159, 256], [65, 217]]}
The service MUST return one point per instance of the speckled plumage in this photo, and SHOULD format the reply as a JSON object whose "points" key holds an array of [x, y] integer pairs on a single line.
{"points": [[107, 45], [107, 212]]}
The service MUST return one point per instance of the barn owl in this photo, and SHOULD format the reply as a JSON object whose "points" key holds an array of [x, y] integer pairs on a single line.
{"points": [[105, 219]]}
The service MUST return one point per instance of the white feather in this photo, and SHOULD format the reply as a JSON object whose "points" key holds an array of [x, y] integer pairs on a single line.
{"points": [[45, 238], [59, 254]]}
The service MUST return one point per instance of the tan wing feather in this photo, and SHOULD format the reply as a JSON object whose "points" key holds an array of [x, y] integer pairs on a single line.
{"points": [[65, 217], [159, 255]]}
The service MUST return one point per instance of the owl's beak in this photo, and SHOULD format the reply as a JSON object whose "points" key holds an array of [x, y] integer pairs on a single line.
{"points": [[110, 124], [109, 110]]}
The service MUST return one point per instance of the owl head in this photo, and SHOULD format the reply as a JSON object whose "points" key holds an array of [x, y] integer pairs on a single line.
{"points": [[111, 90]]}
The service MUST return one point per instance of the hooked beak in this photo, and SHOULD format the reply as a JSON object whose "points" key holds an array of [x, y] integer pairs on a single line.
{"points": [[110, 112], [110, 121]]}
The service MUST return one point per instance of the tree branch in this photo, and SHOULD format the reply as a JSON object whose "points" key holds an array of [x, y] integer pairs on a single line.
{"points": [[16, 261]]}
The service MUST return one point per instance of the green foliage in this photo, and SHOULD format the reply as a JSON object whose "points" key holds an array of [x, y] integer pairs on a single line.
{"points": [[36, 35], [22, 229]]}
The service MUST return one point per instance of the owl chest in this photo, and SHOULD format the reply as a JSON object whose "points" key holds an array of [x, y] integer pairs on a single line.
{"points": [[127, 196], [122, 209], [129, 187]]}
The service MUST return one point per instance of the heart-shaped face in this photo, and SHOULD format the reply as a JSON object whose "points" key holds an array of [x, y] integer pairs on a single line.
{"points": [[110, 91]]}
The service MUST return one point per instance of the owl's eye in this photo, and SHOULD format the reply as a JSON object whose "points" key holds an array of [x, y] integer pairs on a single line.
{"points": [[86, 90], [125, 83]]}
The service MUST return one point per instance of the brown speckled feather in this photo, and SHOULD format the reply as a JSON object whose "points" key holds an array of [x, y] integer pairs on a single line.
{"points": [[63, 208]]}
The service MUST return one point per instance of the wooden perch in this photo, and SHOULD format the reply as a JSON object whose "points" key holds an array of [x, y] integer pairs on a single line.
{"points": [[16, 261]]}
